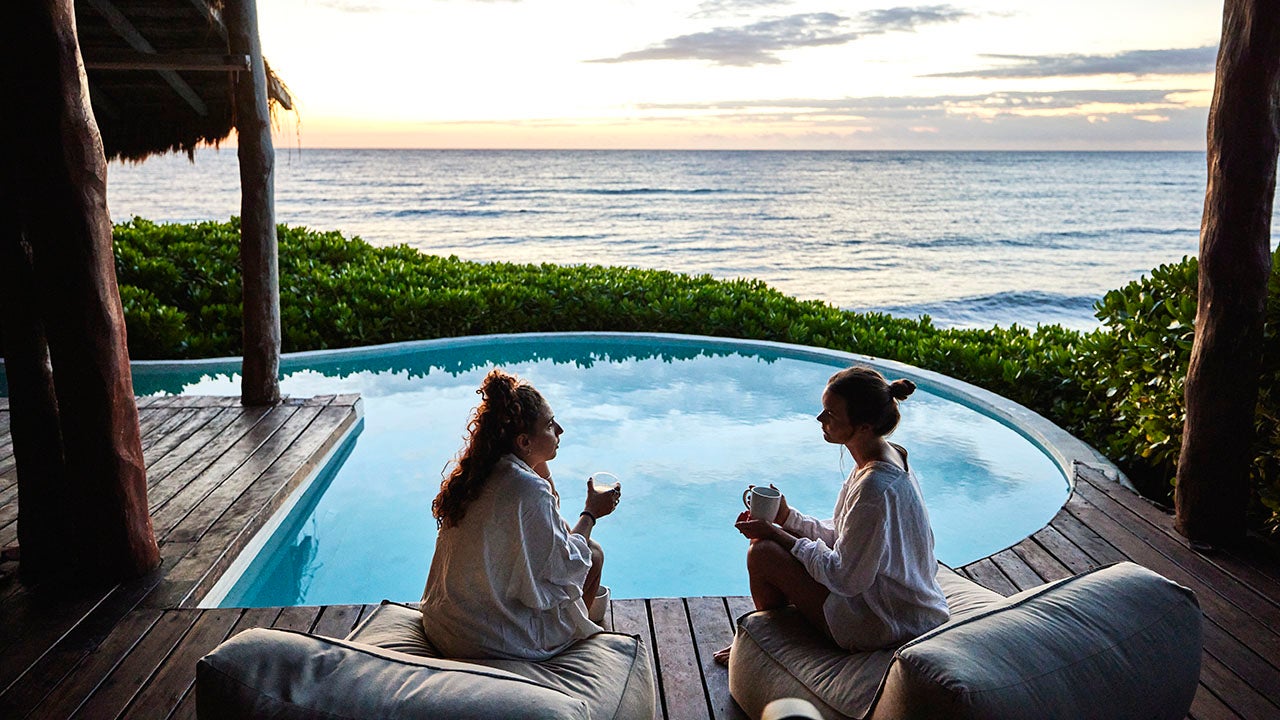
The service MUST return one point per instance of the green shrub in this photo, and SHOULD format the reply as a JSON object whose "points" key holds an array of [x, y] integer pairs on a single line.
{"points": [[1118, 388], [1140, 365]]}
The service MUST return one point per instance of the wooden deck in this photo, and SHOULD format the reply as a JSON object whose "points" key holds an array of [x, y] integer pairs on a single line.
{"points": [[215, 469]]}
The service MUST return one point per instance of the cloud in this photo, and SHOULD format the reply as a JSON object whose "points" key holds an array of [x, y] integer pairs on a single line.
{"points": [[753, 44], [721, 8], [907, 19], [1176, 61], [758, 43], [915, 107]]}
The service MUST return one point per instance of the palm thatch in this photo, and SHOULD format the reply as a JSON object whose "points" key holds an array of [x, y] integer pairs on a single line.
{"points": [[161, 75]]}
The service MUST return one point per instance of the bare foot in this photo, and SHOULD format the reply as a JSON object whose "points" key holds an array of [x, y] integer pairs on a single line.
{"points": [[721, 656]]}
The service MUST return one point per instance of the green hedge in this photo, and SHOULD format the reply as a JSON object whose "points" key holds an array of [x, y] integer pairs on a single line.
{"points": [[1119, 388]]}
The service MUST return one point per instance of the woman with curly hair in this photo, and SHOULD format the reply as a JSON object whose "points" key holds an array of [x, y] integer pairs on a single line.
{"points": [[867, 577], [510, 578]]}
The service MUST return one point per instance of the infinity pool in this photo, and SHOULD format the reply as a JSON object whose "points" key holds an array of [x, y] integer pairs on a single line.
{"points": [[686, 423]]}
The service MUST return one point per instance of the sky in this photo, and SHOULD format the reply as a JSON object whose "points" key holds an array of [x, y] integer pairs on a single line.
{"points": [[744, 74]]}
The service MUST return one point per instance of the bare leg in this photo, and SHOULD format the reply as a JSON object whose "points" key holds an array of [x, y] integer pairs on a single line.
{"points": [[592, 583], [778, 580]]}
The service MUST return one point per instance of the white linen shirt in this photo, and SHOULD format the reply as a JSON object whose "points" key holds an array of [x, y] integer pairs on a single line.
{"points": [[876, 557], [506, 582]]}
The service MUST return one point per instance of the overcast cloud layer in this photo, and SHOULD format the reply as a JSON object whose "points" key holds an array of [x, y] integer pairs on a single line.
{"points": [[1175, 61], [758, 43]]}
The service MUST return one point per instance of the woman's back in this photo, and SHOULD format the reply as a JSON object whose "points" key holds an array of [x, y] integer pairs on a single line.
{"points": [[506, 580]]}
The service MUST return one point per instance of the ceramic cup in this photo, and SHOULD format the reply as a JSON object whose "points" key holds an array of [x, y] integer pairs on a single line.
{"points": [[762, 502]]}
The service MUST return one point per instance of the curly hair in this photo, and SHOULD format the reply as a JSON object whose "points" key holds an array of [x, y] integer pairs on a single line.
{"points": [[870, 398], [508, 407]]}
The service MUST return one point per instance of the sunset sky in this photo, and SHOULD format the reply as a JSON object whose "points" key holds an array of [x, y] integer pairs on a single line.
{"points": [[784, 74]]}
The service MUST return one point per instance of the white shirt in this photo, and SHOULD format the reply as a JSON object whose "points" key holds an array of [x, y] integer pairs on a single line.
{"points": [[876, 557], [506, 582]]}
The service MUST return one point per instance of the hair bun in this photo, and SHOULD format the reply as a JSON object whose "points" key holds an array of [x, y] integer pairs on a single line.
{"points": [[901, 388]]}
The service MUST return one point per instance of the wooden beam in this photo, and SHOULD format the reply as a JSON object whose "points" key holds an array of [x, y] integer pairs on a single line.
{"points": [[258, 256], [1212, 493], [185, 62], [125, 29], [212, 15]]}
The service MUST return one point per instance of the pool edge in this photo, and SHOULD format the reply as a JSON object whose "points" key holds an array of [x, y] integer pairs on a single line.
{"points": [[212, 589]]}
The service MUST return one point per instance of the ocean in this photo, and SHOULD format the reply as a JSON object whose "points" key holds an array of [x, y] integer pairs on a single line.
{"points": [[972, 239]]}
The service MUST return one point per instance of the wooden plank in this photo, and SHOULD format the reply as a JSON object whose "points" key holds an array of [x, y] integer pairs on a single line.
{"points": [[249, 448], [1085, 538], [233, 529], [216, 422], [85, 634], [122, 684], [186, 709], [712, 630], [177, 674], [167, 426], [1206, 706], [1040, 561], [1259, 638], [1258, 672], [202, 425], [1019, 572], [216, 502], [1238, 695], [1244, 596], [337, 621], [1063, 550], [33, 623], [632, 617], [212, 464], [985, 573], [682, 692], [71, 692], [299, 618], [251, 618]]}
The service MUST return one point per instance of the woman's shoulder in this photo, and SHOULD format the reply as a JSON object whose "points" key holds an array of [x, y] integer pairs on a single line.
{"points": [[517, 476], [877, 478]]}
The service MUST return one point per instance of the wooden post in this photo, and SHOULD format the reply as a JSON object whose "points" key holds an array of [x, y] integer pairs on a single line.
{"points": [[259, 384], [1212, 491], [80, 465], [34, 426]]}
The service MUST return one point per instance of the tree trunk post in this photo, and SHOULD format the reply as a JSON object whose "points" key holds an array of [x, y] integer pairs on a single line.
{"points": [[69, 330], [258, 254], [1212, 492]]}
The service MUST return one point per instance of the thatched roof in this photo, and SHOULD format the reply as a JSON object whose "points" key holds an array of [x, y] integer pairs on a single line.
{"points": [[160, 74]]}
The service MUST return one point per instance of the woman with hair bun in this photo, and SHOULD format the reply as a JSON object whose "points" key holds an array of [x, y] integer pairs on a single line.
{"points": [[510, 578], [866, 578]]}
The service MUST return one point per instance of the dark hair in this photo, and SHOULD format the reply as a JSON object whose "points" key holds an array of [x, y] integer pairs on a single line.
{"points": [[869, 398], [508, 407]]}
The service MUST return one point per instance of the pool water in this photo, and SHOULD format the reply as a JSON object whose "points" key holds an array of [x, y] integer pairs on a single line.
{"points": [[686, 423]]}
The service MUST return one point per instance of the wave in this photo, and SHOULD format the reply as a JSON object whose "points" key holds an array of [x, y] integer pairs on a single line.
{"points": [[1026, 308], [648, 191], [459, 213]]}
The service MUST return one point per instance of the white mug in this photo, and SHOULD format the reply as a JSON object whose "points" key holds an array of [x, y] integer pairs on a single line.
{"points": [[762, 502]]}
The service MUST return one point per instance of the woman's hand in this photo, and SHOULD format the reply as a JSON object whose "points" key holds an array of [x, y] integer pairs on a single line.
{"points": [[602, 502], [754, 529]]}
